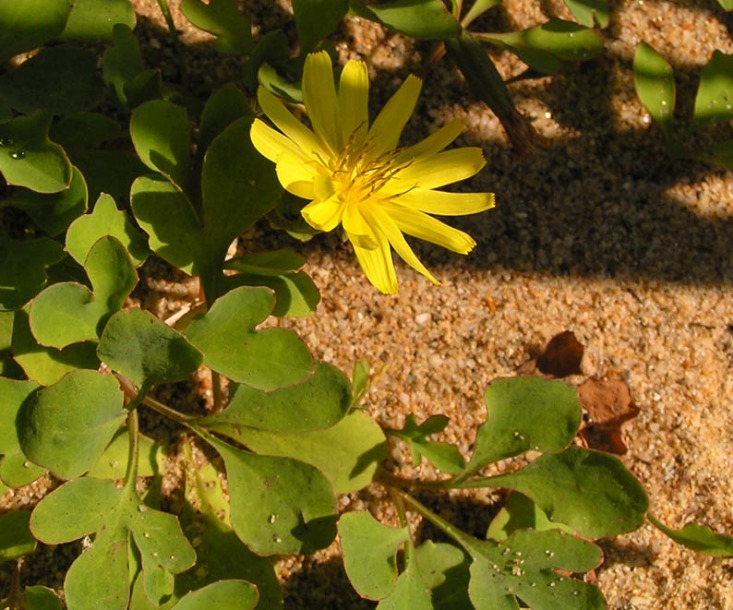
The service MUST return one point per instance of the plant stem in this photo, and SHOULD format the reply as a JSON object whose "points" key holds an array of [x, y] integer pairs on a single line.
{"points": [[133, 430], [447, 528], [182, 63], [166, 411]]}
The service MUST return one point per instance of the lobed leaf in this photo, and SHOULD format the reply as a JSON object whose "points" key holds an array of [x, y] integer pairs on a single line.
{"points": [[278, 505], [370, 550], [267, 359], [518, 414], [444, 569]]}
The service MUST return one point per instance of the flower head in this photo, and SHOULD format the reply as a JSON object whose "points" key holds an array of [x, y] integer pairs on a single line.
{"points": [[356, 176]]}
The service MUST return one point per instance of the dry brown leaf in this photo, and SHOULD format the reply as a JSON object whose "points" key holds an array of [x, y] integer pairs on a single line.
{"points": [[609, 404], [562, 356]]}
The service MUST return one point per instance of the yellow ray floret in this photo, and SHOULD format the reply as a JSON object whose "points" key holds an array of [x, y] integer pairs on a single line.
{"points": [[355, 175]]}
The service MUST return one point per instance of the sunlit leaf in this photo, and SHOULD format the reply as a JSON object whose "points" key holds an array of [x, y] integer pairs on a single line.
{"points": [[15, 469], [714, 100], [222, 595], [93, 20], [316, 19], [222, 19], [426, 19], [699, 538], [590, 12], [654, 83]]}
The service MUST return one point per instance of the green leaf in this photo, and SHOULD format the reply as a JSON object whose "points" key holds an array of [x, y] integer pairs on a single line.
{"points": [[222, 19], [279, 505], [41, 598], [444, 456], [124, 73], [549, 46], [168, 217], [590, 12], [349, 453], [444, 569], [23, 269], [52, 212], [478, 8], [699, 538], [8, 368], [720, 154], [222, 595], [112, 464], [223, 107], [519, 512], [316, 19], [47, 365], [28, 24], [69, 441], [714, 100], [92, 20], [410, 592], [525, 413], [68, 312], [726, 4], [370, 550], [654, 83], [524, 568], [590, 491], [60, 80], [319, 402], [85, 506], [234, 201], [15, 469], [161, 136], [28, 158], [267, 359], [105, 219], [16, 539], [221, 555], [141, 347], [422, 19]]}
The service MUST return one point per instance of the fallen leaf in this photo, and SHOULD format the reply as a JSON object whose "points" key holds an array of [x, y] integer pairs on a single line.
{"points": [[562, 356], [609, 404]]}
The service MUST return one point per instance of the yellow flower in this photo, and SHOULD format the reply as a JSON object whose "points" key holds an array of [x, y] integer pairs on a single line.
{"points": [[355, 175]]}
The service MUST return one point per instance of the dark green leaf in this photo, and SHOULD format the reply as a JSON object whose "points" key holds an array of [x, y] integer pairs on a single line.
{"points": [[60, 80], [16, 539], [519, 512], [28, 158], [141, 347], [721, 154], [28, 24], [316, 19], [93, 20], [47, 365], [52, 212], [699, 538], [66, 427], [225, 106], [278, 505], [67, 312], [23, 269], [590, 491], [222, 595], [525, 413], [349, 453], [654, 83], [15, 470], [320, 402], [426, 19], [590, 12], [105, 219], [370, 550], [267, 359], [222, 19], [714, 100], [444, 568], [162, 139]]}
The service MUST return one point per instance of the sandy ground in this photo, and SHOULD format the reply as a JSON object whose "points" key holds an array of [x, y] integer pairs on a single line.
{"points": [[599, 231]]}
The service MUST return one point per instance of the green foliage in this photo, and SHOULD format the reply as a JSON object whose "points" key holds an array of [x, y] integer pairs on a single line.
{"points": [[79, 360]]}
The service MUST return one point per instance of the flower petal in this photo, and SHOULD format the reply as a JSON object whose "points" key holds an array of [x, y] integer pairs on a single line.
{"points": [[433, 144], [324, 215], [446, 204], [444, 168], [296, 176], [303, 137], [270, 143], [388, 126], [361, 232], [398, 242], [319, 97], [354, 101], [427, 228], [377, 265]]}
